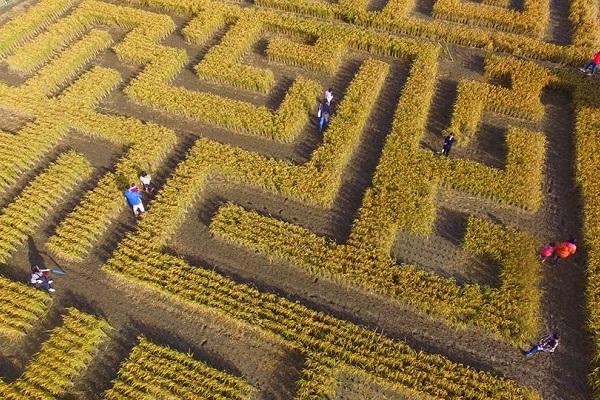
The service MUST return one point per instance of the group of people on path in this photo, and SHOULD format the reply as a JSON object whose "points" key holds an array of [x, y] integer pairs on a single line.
{"points": [[135, 198], [40, 278], [558, 251]]}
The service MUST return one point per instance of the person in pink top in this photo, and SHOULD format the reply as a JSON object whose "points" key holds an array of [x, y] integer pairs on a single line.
{"points": [[547, 251], [593, 64]]}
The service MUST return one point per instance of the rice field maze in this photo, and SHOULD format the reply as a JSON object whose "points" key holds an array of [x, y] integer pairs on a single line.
{"points": [[283, 255]]}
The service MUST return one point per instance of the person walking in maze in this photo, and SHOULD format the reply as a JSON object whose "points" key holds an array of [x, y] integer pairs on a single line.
{"points": [[448, 142], [325, 111], [564, 250], [146, 179], [593, 64], [135, 201], [39, 279], [328, 96], [547, 344], [547, 251]]}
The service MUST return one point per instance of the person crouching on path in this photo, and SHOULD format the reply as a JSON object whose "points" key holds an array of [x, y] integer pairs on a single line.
{"points": [[547, 344], [135, 201], [564, 250], [593, 64], [39, 279], [547, 251]]}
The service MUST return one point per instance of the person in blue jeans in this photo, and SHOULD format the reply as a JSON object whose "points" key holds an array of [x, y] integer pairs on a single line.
{"points": [[135, 201], [325, 111], [546, 344], [593, 64]]}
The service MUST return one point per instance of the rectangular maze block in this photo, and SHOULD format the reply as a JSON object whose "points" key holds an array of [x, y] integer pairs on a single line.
{"points": [[21, 218], [21, 308], [532, 20], [61, 360], [153, 371]]}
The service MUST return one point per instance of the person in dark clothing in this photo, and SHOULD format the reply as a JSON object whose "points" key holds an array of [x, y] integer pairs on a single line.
{"points": [[546, 344], [448, 142], [325, 111]]}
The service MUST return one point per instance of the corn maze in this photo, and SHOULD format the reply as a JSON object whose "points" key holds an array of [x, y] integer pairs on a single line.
{"points": [[279, 262]]}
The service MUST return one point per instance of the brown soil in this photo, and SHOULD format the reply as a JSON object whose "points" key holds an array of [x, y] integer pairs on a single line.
{"points": [[267, 364]]}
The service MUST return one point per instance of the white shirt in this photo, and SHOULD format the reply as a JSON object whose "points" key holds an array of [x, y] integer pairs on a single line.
{"points": [[145, 179], [36, 277]]}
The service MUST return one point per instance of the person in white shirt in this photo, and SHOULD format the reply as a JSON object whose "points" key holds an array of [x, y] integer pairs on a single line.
{"points": [[146, 179], [328, 96], [39, 278]]}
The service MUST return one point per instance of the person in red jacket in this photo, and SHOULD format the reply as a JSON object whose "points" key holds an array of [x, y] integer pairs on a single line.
{"points": [[564, 250], [592, 64]]}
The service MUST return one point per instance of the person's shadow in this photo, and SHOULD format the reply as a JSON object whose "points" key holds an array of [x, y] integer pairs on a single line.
{"points": [[35, 257]]}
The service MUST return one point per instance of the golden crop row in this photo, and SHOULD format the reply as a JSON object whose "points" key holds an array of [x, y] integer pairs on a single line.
{"points": [[519, 183], [61, 359], [467, 304], [82, 228], [583, 16], [17, 156], [532, 20], [316, 333], [521, 100], [20, 218], [324, 54], [204, 25], [36, 19], [517, 302], [62, 69], [21, 306], [222, 62], [497, 3], [153, 371], [527, 79], [148, 28], [588, 158]]}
